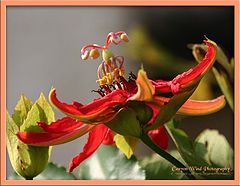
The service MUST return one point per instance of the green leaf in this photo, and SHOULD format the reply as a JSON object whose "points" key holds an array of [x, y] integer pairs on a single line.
{"points": [[225, 85], [108, 163], [52, 172], [21, 110], [126, 144], [197, 155], [40, 111], [28, 161], [157, 168], [219, 152], [125, 123]]}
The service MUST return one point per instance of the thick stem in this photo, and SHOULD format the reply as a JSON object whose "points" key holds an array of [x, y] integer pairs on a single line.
{"points": [[29, 178], [147, 140]]}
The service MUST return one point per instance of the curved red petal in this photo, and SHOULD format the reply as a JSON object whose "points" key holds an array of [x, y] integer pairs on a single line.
{"points": [[194, 107], [192, 74], [95, 138], [63, 125], [49, 139], [91, 112], [201, 68], [162, 86], [160, 137], [155, 110], [108, 140]]}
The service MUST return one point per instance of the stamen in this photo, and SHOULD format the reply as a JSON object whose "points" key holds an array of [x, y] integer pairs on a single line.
{"points": [[99, 91]]}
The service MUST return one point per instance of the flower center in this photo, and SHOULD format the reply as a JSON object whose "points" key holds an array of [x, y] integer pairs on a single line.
{"points": [[111, 71]]}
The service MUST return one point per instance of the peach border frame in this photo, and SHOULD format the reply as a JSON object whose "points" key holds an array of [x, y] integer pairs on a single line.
{"points": [[6, 3]]}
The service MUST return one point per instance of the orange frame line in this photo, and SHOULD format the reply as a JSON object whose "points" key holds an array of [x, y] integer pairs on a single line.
{"points": [[6, 3]]}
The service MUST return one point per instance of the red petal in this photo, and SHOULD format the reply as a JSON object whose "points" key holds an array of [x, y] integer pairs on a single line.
{"points": [[160, 137], [108, 140], [98, 111], [65, 124], [186, 78], [68, 130], [194, 107], [95, 138]]}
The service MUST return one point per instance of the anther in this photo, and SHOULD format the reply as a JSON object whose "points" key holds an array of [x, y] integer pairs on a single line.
{"points": [[94, 53]]}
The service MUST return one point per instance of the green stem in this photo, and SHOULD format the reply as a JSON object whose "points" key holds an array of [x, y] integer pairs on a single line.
{"points": [[147, 140]]}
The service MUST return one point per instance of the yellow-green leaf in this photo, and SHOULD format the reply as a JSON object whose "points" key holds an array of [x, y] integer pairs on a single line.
{"points": [[21, 110]]}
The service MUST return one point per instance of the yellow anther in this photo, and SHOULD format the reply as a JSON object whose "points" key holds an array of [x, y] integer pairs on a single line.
{"points": [[122, 72], [94, 53], [109, 78], [102, 81], [124, 37]]}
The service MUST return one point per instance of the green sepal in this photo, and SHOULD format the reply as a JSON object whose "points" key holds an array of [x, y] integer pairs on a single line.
{"points": [[170, 109], [126, 144], [126, 123], [28, 161], [143, 112]]}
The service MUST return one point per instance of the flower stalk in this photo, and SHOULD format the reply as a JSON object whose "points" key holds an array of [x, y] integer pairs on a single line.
{"points": [[147, 140]]}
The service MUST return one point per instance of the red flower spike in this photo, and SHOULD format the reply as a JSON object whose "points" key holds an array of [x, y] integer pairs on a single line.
{"points": [[95, 138]]}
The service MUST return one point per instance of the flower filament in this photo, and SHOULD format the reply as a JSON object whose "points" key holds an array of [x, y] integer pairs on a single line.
{"points": [[111, 71]]}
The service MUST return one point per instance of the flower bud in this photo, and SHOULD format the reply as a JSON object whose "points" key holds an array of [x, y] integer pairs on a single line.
{"points": [[28, 161], [94, 53], [124, 37]]}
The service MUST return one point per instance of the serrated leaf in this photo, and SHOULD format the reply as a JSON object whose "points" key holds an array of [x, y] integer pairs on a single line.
{"points": [[126, 144], [108, 163], [157, 168], [52, 172], [21, 110]]}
